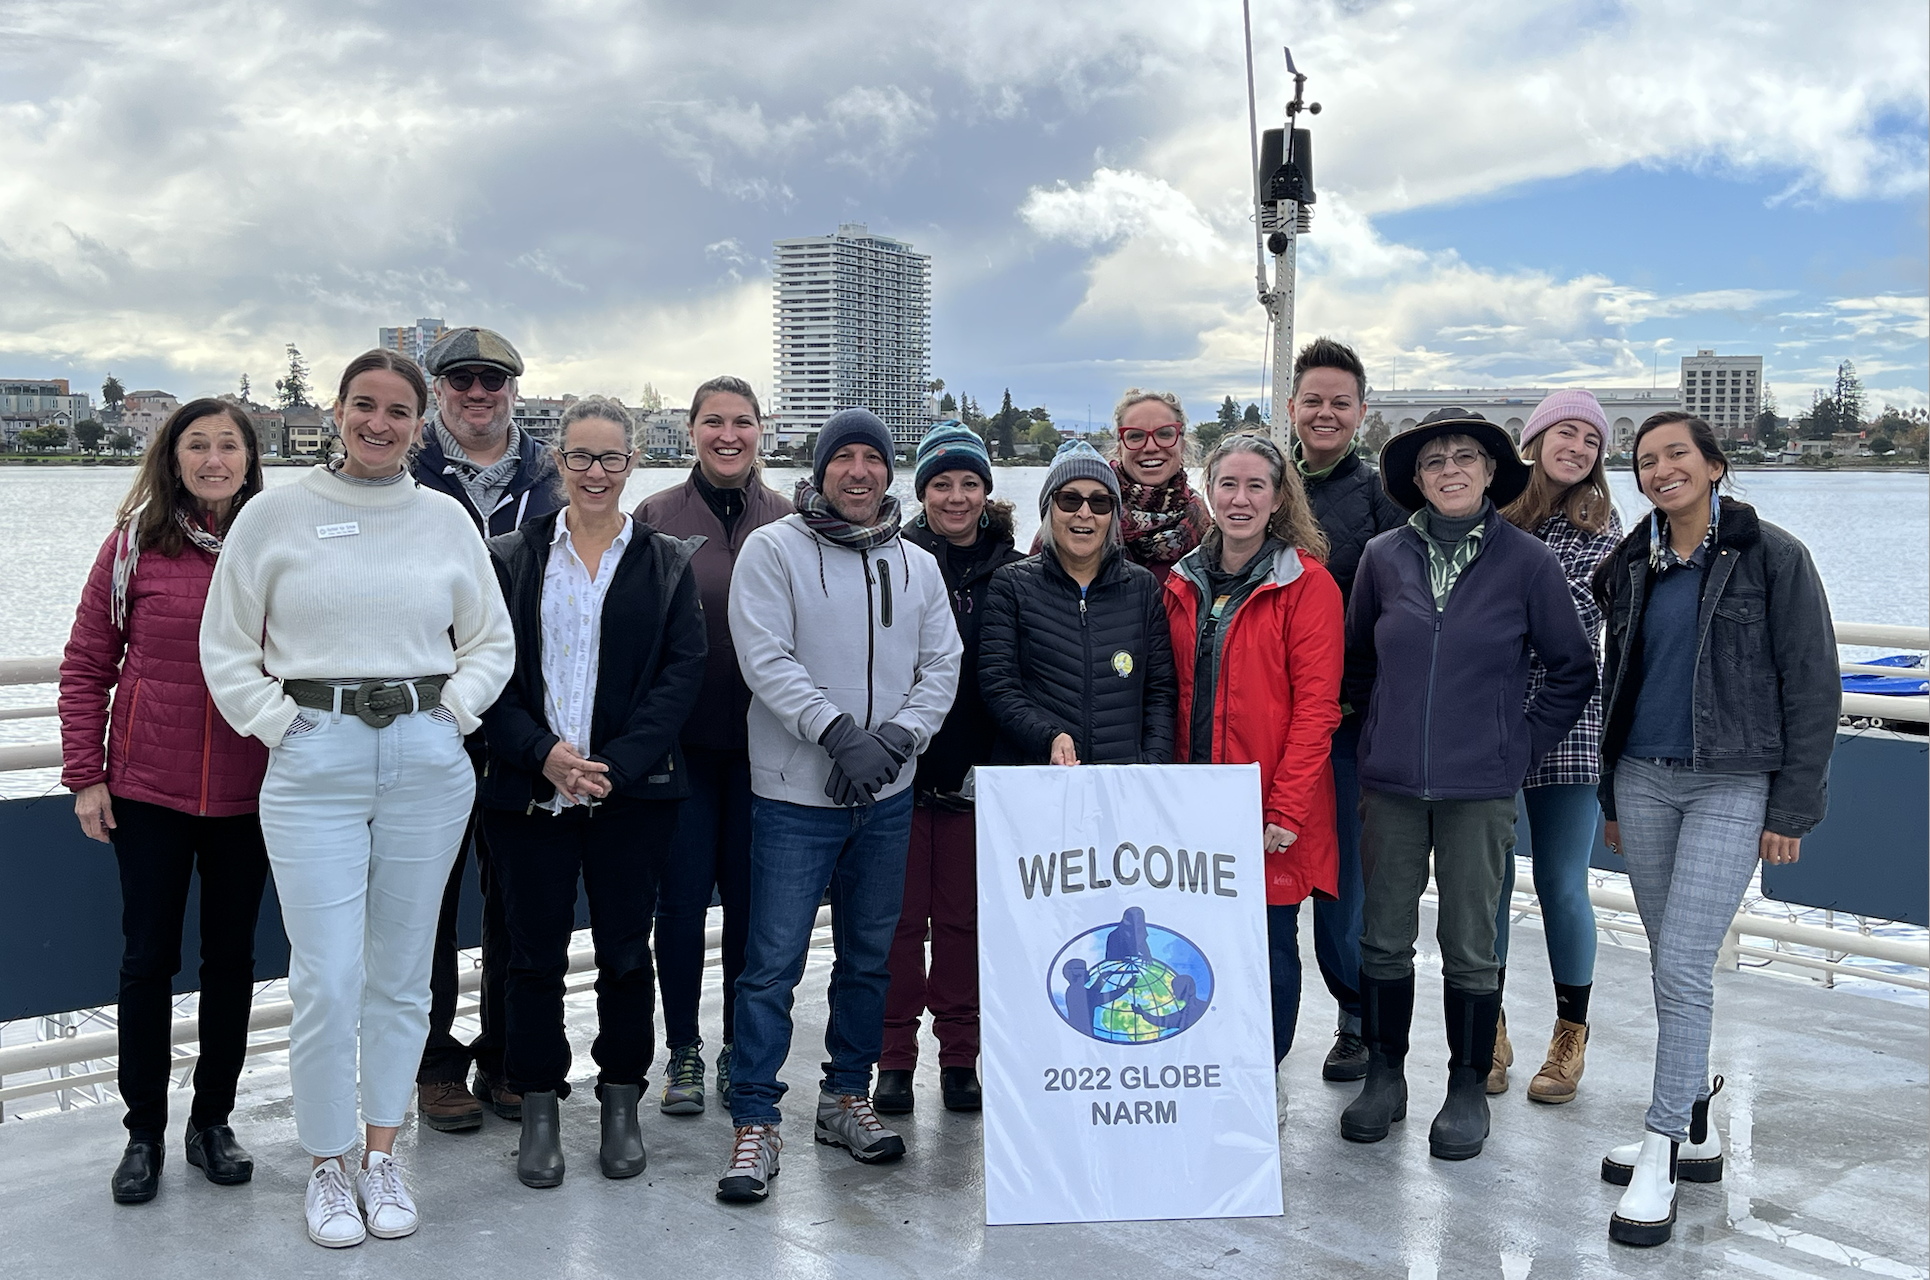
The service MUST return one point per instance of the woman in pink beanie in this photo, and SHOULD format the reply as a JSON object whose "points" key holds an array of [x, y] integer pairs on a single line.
{"points": [[1567, 505]]}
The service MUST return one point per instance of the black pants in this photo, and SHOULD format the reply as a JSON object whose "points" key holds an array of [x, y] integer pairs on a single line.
{"points": [[710, 852], [158, 849], [538, 856], [444, 1057]]}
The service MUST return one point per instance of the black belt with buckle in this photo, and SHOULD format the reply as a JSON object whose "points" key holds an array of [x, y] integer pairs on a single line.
{"points": [[375, 703]]}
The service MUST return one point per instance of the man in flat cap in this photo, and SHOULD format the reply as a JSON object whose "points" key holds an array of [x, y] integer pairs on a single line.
{"points": [[503, 477]]}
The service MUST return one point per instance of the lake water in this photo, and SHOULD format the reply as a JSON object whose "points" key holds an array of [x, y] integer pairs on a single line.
{"points": [[1869, 533]]}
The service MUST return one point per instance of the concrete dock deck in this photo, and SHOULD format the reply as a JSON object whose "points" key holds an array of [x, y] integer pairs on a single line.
{"points": [[1826, 1115]]}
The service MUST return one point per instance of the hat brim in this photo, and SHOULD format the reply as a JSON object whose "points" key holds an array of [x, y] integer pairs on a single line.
{"points": [[1398, 455]]}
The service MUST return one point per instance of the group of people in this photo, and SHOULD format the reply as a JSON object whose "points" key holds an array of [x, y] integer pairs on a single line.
{"points": [[433, 648]]}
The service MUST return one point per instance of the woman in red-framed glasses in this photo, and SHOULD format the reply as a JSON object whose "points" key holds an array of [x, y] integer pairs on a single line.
{"points": [[1161, 517]]}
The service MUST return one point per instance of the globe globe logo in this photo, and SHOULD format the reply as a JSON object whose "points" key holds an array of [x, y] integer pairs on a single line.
{"points": [[1129, 982]]}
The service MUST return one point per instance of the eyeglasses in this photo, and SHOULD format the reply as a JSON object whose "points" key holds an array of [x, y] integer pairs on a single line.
{"points": [[1135, 438], [1070, 502], [579, 460], [463, 379], [1466, 459]]}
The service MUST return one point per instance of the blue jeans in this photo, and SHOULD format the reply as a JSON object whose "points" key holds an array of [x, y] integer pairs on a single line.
{"points": [[1557, 827], [1336, 924], [1283, 971], [797, 853]]}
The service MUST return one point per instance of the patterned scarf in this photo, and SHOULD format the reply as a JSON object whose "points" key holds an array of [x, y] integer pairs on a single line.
{"points": [[825, 521], [1662, 551], [1160, 522], [127, 555]]}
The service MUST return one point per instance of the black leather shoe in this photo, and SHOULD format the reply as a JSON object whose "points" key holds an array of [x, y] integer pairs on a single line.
{"points": [[138, 1176], [621, 1153], [539, 1159], [892, 1097], [959, 1085], [215, 1152]]}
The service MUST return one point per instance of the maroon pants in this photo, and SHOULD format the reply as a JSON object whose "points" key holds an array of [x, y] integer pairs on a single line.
{"points": [[941, 893]]}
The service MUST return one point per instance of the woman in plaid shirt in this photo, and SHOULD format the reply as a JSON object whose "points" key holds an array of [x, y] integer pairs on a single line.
{"points": [[1567, 505]]}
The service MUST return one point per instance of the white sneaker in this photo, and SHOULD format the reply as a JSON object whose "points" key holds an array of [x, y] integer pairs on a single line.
{"points": [[333, 1220], [386, 1203]]}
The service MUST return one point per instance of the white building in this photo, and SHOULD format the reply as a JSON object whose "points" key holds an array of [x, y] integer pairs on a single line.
{"points": [[1723, 391], [413, 340], [663, 433], [43, 400], [540, 415], [144, 412], [853, 329], [1510, 407]]}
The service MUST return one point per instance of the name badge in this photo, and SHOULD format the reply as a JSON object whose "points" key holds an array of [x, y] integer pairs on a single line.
{"points": [[348, 530]]}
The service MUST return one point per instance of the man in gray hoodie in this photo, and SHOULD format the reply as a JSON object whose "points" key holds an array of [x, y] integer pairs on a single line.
{"points": [[845, 636]]}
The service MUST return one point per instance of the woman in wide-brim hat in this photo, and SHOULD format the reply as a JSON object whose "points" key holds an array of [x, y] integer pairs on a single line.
{"points": [[1444, 619]]}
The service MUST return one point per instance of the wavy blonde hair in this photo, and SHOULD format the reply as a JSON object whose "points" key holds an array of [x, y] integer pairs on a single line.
{"points": [[1294, 522]]}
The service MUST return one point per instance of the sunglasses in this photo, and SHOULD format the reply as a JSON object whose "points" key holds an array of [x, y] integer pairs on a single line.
{"points": [[580, 460], [1135, 438], [1070, 502], [463, 379]]}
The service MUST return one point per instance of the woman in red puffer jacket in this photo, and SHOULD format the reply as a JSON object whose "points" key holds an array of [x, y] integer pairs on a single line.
{"points": [[1257, 643], [169, 784]]}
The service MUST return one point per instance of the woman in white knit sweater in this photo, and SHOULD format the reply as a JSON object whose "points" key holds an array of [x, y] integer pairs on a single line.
{"points": [[354, 625]]}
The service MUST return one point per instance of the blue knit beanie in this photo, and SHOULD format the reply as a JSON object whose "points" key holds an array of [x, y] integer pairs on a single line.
{"points": [[951, 446], [1077, 460], [851, 426]]}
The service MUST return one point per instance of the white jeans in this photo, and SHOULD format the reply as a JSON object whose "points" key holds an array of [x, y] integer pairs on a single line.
{"points": [[362, 826]]}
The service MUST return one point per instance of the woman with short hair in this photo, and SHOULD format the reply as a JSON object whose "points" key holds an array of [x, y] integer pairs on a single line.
{"points": [[1257, 646], [1445, 618], [1722, 699], [584, 778], [169, 784], [355, 627], [1568, 506], [722, 502], [1074, 659]]}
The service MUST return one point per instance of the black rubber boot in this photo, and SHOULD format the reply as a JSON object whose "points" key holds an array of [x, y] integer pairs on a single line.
{"points": [[1386, 1013], [1462, 1125], [621, 1153], [539, 1160], [960, 1088], [892, 1097]]}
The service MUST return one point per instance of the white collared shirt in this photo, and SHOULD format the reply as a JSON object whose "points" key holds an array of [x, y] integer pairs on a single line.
{"points": [[572, 617]]}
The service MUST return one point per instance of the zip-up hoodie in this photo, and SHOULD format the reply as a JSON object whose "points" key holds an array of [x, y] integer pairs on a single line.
{"points": [[821, 631], [535, 490]]}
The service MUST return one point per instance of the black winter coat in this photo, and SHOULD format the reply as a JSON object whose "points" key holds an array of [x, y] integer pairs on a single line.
{"points": [[650, 670], [1352, 508], [1768, 690], [1100, 669], [969, 730], [534, 491]]}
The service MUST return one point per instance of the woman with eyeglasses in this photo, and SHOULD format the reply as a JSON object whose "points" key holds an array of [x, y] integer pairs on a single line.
{"points": [[584, 779], [354, 626], [1445, 619], [1256, 626], [723, 502], [1074, 656]]}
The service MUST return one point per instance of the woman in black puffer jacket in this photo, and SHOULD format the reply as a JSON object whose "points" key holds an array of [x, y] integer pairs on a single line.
{"points": [[1075, 660]]}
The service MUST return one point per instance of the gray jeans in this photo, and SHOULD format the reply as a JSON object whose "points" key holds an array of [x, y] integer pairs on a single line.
{"points": [[1470, 841], [1691, 841]]}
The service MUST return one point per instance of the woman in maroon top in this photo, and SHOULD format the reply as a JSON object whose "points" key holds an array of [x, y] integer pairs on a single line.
{"points": [[169, 784], [723, 501]]}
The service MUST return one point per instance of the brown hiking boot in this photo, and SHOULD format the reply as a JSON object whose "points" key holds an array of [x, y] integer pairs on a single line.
{"points": [[1556, 1080], [1504, 1056], [497, 1096], [448, 1106]]}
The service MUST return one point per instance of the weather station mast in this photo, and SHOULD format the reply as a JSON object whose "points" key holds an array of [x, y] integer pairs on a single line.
{"points": [[1283, 198]]}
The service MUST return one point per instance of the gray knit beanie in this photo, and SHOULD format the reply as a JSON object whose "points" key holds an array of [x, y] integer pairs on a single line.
{"points": [[1077, 460], [851, 426]]}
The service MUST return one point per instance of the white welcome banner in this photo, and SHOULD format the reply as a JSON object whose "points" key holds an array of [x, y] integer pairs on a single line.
{"points": [[1127, 1029]]}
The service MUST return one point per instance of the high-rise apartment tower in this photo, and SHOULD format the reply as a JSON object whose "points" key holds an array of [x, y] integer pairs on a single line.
{"points": [[853, 329], [1723, 391], [413, 340]]}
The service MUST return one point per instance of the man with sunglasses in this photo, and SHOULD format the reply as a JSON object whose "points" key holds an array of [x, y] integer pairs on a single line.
{"points": [[504, 479]]}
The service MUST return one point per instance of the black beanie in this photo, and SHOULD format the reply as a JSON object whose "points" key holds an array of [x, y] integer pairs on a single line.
{"points": [[851, 426]]}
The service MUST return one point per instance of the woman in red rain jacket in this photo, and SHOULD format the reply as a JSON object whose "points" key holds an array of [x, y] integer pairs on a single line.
{"points": [[169, 784], [1257, 642]]}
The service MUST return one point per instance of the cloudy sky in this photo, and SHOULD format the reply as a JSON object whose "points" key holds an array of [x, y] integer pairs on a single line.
{"points": [[1512, 192]]}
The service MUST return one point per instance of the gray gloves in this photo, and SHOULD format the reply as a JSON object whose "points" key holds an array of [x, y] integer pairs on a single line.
{"points": [[863, 762]]}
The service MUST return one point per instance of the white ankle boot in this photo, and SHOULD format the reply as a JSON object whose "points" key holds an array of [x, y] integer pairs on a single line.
{"points": [[1697, 1160], [1646, 1215]]}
